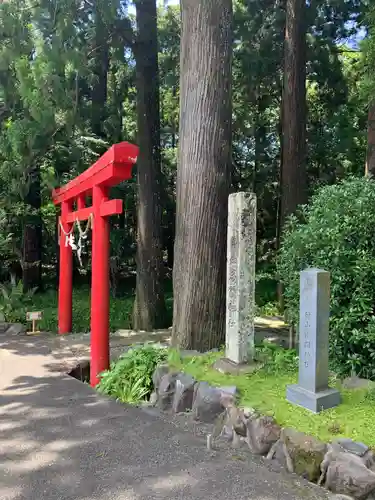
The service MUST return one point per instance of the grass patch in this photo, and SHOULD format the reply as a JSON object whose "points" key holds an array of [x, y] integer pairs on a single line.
{"points": [[265, 391]]}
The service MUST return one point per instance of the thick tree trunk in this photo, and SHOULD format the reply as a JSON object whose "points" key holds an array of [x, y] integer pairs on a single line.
{"points": [[32, 236], [101, 54], [293, 171], [203, 176], [149, 307], [370, 156]]}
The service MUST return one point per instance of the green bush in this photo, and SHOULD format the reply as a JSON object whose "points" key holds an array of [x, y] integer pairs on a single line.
{"points": [[336, 232], [277, 359], [14, 302], [129, 379]]}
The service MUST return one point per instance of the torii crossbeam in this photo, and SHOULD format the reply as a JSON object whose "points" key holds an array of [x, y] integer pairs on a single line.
{"points": [[112, 168]]}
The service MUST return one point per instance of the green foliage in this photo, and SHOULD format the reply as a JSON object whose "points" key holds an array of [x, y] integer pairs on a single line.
{"points": [[336, 232], [120, 313], [130, 378], [14, 302], [276, 359]]}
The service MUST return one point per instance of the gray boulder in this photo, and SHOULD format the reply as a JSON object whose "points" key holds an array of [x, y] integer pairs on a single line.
{"points": [[348, 473], [16, 329], [261, 434], [354, 447], [299, 453], [207, 403], [184, 393], [166, 391]]}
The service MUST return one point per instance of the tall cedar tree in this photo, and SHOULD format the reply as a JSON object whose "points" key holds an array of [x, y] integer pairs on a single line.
{"points": [[32, 233], [100, 70], [370, 155], [293, 164], [149, 306], [203, 176]]}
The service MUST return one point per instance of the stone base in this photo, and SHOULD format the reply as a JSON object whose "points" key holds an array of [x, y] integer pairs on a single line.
{"points": [[315, 402], [225, 365]]}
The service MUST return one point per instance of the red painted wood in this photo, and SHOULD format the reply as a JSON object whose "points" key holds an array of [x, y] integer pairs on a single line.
{"points": [[81, 202], [111, 207], [82, 214], [113, 167], [99, 288], [65, 275]]}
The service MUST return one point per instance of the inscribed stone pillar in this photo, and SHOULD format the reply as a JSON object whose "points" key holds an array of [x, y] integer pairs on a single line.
{"points": [[241, 253], [312, 391]]}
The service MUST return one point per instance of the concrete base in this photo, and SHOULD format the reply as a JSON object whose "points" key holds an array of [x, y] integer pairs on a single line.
{"points": [[225, 365], [315, 402]]}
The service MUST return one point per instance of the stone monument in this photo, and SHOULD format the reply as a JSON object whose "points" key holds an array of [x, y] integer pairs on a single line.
{"points": [[312, 391], [240, 304]]}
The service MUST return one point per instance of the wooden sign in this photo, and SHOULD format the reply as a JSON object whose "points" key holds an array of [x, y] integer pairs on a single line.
{"points": [[34, 316]]}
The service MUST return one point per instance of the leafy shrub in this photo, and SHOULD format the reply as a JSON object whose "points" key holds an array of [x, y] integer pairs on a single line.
{"points": [[336, 232], [276, 359], [129, 379], [14, 302]]}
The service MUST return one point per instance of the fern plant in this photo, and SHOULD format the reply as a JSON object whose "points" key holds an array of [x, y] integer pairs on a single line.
{"points": [[129, 379]]}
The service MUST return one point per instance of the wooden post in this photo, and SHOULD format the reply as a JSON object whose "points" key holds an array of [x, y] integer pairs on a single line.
{"points": [[99, 288], [66, 274]]}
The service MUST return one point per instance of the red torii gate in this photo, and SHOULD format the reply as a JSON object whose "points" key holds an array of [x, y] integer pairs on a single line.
{"points": [[112, 168]]}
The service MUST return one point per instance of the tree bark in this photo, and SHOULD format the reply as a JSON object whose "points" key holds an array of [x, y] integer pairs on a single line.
{"points": [[101, 55], [370, 156], [293, 165], [149, 306], [203, 176], [32, 235]]}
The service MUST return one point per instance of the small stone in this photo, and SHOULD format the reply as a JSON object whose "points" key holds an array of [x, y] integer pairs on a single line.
{"points": [[209, 442], [207, 402], [153, 399], [356, 383], [166, 391], [184, 393], [227, 433], [250, 413], [351, 446]]}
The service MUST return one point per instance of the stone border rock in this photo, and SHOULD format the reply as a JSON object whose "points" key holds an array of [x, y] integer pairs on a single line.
{"points": [[344, 467], [11, 329]]}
